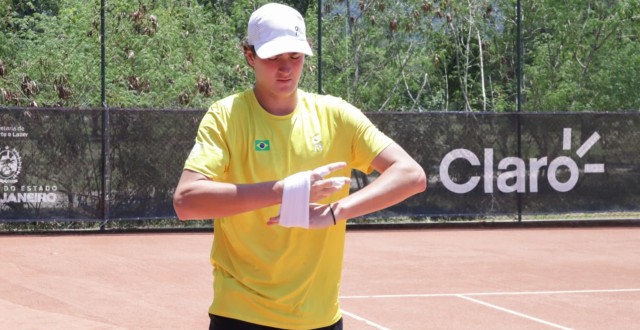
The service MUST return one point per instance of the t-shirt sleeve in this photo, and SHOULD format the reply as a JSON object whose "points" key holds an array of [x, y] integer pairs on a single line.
{"points": [[367, 140], [210, 153]]}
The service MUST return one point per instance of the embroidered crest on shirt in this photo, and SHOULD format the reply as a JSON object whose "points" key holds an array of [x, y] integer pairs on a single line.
{"points": [[317, 143]]}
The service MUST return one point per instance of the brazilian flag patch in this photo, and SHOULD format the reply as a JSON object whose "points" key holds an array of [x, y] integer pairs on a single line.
{"points": [[262, 145]]}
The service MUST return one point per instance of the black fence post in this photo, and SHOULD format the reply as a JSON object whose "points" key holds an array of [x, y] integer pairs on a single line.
{"points": [[519, 92], [106, 166], [319, 46]]}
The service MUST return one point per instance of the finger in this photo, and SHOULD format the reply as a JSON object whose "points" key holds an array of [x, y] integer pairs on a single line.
{"points": [[338, 182], [326, 169], [331, 183]]}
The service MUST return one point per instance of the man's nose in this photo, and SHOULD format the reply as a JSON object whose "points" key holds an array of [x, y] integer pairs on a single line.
{"points": [[284, 65]]}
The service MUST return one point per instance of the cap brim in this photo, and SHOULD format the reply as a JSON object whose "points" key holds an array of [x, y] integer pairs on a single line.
{"points": [[283, 45]]}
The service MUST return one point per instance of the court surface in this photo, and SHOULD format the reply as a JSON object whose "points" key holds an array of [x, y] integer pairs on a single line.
{"points": [[555, 278]]}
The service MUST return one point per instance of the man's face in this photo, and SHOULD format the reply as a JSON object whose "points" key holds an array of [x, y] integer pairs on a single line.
{"points": [[277, 75]]}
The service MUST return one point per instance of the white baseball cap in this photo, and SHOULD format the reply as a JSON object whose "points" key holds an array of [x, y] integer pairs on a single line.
{"points": [[276, 29]]}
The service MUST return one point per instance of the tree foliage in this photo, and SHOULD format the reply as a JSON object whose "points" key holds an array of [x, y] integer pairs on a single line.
{"points": [[582, 55], [381, 55]]}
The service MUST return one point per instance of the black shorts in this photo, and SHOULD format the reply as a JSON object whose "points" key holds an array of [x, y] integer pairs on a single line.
{"points": [[225, 323]]}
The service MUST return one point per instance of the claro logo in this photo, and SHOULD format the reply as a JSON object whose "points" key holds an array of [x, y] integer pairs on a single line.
{"points": [[513, 177]]}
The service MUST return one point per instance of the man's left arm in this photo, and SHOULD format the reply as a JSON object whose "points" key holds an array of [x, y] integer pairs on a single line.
{"points": [[400, 178]]}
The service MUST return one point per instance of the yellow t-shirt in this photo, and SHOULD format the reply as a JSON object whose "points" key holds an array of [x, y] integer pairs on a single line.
{"points": [[271, 275]]}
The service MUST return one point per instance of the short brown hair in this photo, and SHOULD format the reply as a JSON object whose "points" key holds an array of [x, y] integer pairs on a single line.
{"points": [[246, 47]]}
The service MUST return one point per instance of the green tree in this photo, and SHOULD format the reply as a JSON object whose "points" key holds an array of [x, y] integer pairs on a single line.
{"points": [[579, 55], [414, 55], [30, 7], [417, 55], [50, 60]]}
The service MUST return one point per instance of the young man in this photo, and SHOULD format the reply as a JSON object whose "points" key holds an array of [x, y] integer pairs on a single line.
{"points": [[271, 165]]}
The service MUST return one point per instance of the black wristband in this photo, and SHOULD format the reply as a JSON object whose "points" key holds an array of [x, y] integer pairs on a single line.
{"points": [[332, 215]]}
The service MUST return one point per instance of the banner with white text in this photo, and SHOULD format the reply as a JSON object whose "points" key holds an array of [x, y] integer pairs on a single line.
{"points": [[57, 164]]}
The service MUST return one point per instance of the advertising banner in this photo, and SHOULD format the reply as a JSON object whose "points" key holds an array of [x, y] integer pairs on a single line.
{"points": [[50, 164], [53, 165], [533, 163]]}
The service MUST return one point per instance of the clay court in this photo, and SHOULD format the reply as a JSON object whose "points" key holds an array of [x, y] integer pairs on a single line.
{"points": [[553, 278]]}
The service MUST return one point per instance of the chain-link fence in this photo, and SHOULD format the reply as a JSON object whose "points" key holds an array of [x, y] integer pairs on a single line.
{"points": [[487, 165], [64, 164], [483, 94]]}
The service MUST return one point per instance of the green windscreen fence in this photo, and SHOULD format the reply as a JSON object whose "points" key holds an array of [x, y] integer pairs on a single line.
{"points": [[527, 163], [68, 164]]}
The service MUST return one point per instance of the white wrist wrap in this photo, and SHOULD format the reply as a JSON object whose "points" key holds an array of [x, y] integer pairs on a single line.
{"points": [[294, 211]]}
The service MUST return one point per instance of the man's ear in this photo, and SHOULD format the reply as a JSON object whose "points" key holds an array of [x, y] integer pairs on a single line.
{"points": [[250, 57]]}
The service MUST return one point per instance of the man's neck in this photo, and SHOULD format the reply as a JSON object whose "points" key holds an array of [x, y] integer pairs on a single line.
{"points": [[276, 104]]}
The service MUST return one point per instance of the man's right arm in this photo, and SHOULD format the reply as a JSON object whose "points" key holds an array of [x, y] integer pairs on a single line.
{"points": [[199, 198]]}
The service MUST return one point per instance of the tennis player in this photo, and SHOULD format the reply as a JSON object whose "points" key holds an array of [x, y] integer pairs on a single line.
{"points": [[272, 165]]}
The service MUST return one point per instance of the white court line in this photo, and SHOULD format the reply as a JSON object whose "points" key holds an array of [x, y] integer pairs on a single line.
{"points": [[477, 294], [514, 312], [359, 318], [468, 296]]}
